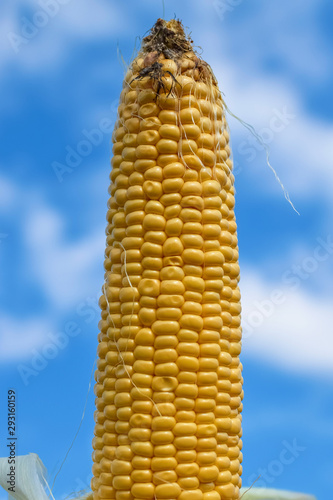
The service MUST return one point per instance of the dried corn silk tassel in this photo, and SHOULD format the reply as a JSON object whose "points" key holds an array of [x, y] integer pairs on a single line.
{"points": [[169, 379]]}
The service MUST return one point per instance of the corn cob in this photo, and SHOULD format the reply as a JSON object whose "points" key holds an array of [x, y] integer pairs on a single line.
{"points": [[168, 379]]}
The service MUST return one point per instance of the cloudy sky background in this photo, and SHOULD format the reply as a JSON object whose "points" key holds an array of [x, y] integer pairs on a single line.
{"points": [[273, 61]]}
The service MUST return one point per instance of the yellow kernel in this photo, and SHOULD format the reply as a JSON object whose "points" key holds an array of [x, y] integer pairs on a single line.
{"points": [[124, 453], [191, 188], [188, 483], [172, 246], [185, 335], [191, 240], [206, 444], [122, 482], [151, 123], [141, 476], [184, 429], [121, 467], [142, 366], [170, 301], [188, 363], [172, 287], [185, 442], [170, 313], [166, 491], [205, 141], [173, 170], [188, 146], [173, 185], [152, 189], [148, 110], [167, 116], [205, 106], [192, 202], [144, 448], [208, 474], [214, 258], [207, 157], [154, 174], [106, 491], [190, 215], [158, 237], [165, 356], [206, 458], [211, 495], [174, 227], [168, 102], [141, 462], [226, 490], [166, 159], [132, 125], [190, 307], [144, 352], [173, 260], [154, 222], [167, 146], [166, 370], [146, 95], [143, 164], [172, 211], [144, 151], [164, 450], [189, 115], [163, 477], [170, 199], [187, 469], [163, 463], [143, 490], [126, 167], [129, 140], [164, 383], [188, 349], [154, 207], [187, 456], [142, 407], [190, 131], [169, 131], [194, 494], [151, 250], [193, 256]]}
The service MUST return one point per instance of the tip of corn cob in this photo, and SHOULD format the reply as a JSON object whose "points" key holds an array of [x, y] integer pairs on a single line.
{"points": [[167, 40]]}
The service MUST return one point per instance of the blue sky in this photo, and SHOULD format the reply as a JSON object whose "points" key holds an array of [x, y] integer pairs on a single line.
{"points": [[61, 81]]}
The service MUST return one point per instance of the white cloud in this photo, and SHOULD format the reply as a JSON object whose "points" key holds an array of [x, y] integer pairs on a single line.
{"points": [[45, 46], [294, 334], [301, 150], [275, 32], [66, 270], [19, 337]]}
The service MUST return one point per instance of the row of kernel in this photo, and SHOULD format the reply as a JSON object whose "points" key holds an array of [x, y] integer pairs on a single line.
{"points": [[114, 368], [133, 454], [209, 337], [105, 441], [124, 327], [228, 420]]}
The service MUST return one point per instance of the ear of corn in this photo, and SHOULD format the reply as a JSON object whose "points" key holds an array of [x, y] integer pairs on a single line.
{"points": [[168, 382]]}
